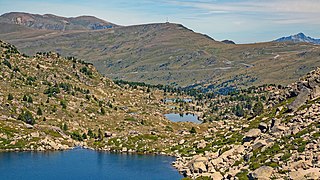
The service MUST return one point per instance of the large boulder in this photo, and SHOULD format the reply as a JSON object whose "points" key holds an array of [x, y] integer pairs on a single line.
{"points": [[107, 134], [304, 95], [216, 176], [259, 144], [312, 173], [263, 127], [199, 165], [202, 144], [35, 134], [296, 175], [54, 145], [239, 149], [253, 133], [274, 123], [262, 173], [29, 126], [182, 141], [217, 161]]}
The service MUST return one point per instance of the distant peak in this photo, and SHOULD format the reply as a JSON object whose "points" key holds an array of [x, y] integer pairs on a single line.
{"points": [[300, 37], [228, 41]]}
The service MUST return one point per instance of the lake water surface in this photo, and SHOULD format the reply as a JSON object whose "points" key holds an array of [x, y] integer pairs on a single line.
{"points": [[85, 164], [175, 117]]}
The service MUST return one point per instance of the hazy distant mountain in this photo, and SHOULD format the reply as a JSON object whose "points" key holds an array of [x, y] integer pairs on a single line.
{"points": [[228, 41], [53, 22], [300, 37]]}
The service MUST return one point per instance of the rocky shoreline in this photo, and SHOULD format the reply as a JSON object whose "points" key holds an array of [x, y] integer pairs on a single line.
{"points": [[280, 146]]}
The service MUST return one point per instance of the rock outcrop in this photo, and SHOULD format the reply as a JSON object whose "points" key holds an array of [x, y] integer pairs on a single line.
{"points": [[307, 88]]}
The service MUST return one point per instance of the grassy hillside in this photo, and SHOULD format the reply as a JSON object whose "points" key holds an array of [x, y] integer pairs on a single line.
{"points": [[53, 22], [172, 54], [49, 99]]}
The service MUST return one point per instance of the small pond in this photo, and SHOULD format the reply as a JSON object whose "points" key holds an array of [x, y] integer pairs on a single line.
{"points": [[187, 100], [176, 117]]}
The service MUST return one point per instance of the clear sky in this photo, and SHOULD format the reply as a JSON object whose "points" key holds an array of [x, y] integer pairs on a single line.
{"points": [[244, 21]]}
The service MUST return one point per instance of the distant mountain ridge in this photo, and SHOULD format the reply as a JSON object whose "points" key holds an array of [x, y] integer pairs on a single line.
{"points": [[300, 37], [53, 22], [170, 54]]}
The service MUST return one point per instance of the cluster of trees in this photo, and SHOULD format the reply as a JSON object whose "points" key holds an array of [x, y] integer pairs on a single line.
{"points": [[47, 54], [80, 137], [86, 71], [27, 99], [26, 116], [257, 110], [75, 60], [52, 90], [10, 49], [67, 87], [198, 94]]}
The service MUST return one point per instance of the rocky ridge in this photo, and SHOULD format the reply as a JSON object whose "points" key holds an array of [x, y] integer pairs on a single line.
{"points": [[53, 22]]}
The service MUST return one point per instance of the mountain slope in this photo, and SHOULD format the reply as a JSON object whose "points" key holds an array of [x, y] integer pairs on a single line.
{"points": [[300, 37], [154, 49], [49, 102], [169, 53], [52, 103], [53, 22]]}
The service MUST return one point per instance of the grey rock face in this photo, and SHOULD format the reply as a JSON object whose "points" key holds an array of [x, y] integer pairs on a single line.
{"points": [[262, 173], [303, 96]]}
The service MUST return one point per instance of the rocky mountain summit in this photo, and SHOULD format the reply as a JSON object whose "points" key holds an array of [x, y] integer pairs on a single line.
{"points": [[300, 37]]}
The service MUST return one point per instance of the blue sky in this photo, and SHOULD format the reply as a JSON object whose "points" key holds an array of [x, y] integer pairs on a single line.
{"points": [[244, 21]]}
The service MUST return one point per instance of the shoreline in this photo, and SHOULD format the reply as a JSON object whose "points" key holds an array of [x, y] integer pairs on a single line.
{"points": [[86, 148]]}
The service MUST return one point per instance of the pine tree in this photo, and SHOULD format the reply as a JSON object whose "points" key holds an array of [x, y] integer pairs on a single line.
{"points": [[257, 109], [90, 133], [65, 127], [25, 98], [30, 99], [39, 111], [193, 130], [10, 97], [100, 135], [84, 136], [103, 112], [239, 111]]}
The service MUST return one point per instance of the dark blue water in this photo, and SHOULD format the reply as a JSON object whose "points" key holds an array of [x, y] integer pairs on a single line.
{"points": [[175, 117], [85, 164]]}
